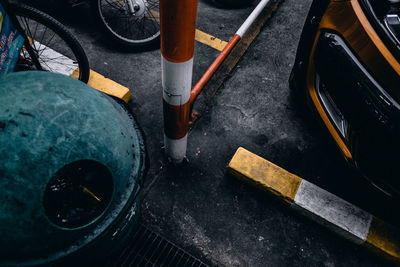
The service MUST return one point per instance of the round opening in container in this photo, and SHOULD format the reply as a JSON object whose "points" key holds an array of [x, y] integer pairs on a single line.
{"points": [[78, 193]]}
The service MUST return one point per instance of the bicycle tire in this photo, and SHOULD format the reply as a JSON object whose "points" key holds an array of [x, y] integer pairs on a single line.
{"points": [[110, 15], [62, 42]]}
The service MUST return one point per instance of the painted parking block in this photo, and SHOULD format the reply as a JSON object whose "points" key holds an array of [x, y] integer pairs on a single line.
{"points": [[318, 204], [67, 66], [108, 86]]}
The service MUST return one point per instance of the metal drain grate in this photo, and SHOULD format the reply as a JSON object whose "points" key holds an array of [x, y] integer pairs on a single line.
{"points": [[147, 248]]}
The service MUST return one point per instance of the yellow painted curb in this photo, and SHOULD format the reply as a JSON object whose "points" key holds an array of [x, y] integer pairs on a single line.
{"points": [[105, 85], [333, 212], [384, 239], [264, 174], [210, 40]]}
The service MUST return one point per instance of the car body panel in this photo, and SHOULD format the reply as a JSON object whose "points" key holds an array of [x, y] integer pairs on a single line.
{"points": [[352, 80]]}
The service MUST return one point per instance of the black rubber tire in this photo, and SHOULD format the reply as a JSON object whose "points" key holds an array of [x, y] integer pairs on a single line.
{"points": [[24, 11], [117, 39]]}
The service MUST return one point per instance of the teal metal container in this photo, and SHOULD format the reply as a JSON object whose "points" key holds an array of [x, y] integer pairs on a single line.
{"points": [[71, 163]]}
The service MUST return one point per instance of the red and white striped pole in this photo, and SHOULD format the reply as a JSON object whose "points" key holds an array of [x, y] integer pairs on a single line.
{"points": [[228, 48], [177, 27]]}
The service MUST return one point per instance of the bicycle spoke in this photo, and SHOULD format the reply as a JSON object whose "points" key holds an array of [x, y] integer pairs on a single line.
{"points": [[153, 5], [29, 33], [51, 39], [44, 32], [132, 29], [27, 28], [37, 25], [154, 20], [141, 27], [48, 45], [118, 6], [42, 39]]}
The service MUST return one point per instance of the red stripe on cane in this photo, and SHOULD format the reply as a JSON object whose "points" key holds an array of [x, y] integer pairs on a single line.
{"points": [[213, 68], [176, 119], [177, 27]]}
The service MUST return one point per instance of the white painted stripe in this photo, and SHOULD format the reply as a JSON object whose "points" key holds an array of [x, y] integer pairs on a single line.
{"points": [[339, 215], [53, 61], [176, 81], [175, 149], [256, 12]]}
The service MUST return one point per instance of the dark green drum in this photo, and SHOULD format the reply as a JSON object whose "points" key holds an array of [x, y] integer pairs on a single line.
{"points": [[71, 161]]}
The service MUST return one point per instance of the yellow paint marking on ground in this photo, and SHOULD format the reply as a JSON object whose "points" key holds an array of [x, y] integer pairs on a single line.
{"points": [[264, 174], [105, 85], [384, 239], [200, 36], [210, 40]]}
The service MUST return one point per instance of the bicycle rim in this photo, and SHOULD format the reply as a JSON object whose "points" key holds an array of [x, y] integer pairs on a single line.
{"points": [[52, 51], [133, 22]]}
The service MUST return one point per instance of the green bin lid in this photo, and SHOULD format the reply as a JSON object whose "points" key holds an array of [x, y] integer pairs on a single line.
{"points": [[70, 159]]}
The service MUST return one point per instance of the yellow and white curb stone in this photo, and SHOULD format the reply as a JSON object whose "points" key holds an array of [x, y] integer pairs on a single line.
{"points": [[318, 204]]}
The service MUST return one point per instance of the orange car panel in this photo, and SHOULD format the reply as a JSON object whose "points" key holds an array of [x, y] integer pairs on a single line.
{"points": [[348, 19]]}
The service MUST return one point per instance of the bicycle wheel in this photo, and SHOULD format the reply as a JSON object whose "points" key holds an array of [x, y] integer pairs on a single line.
{"points": [[132, 24], [55, 47]]}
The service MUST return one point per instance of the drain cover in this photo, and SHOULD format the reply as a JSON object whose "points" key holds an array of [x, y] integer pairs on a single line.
{"points": [[148, 248]]}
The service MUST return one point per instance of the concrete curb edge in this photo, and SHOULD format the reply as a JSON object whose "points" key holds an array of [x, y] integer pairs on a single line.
{"points": [[318, 204]]}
